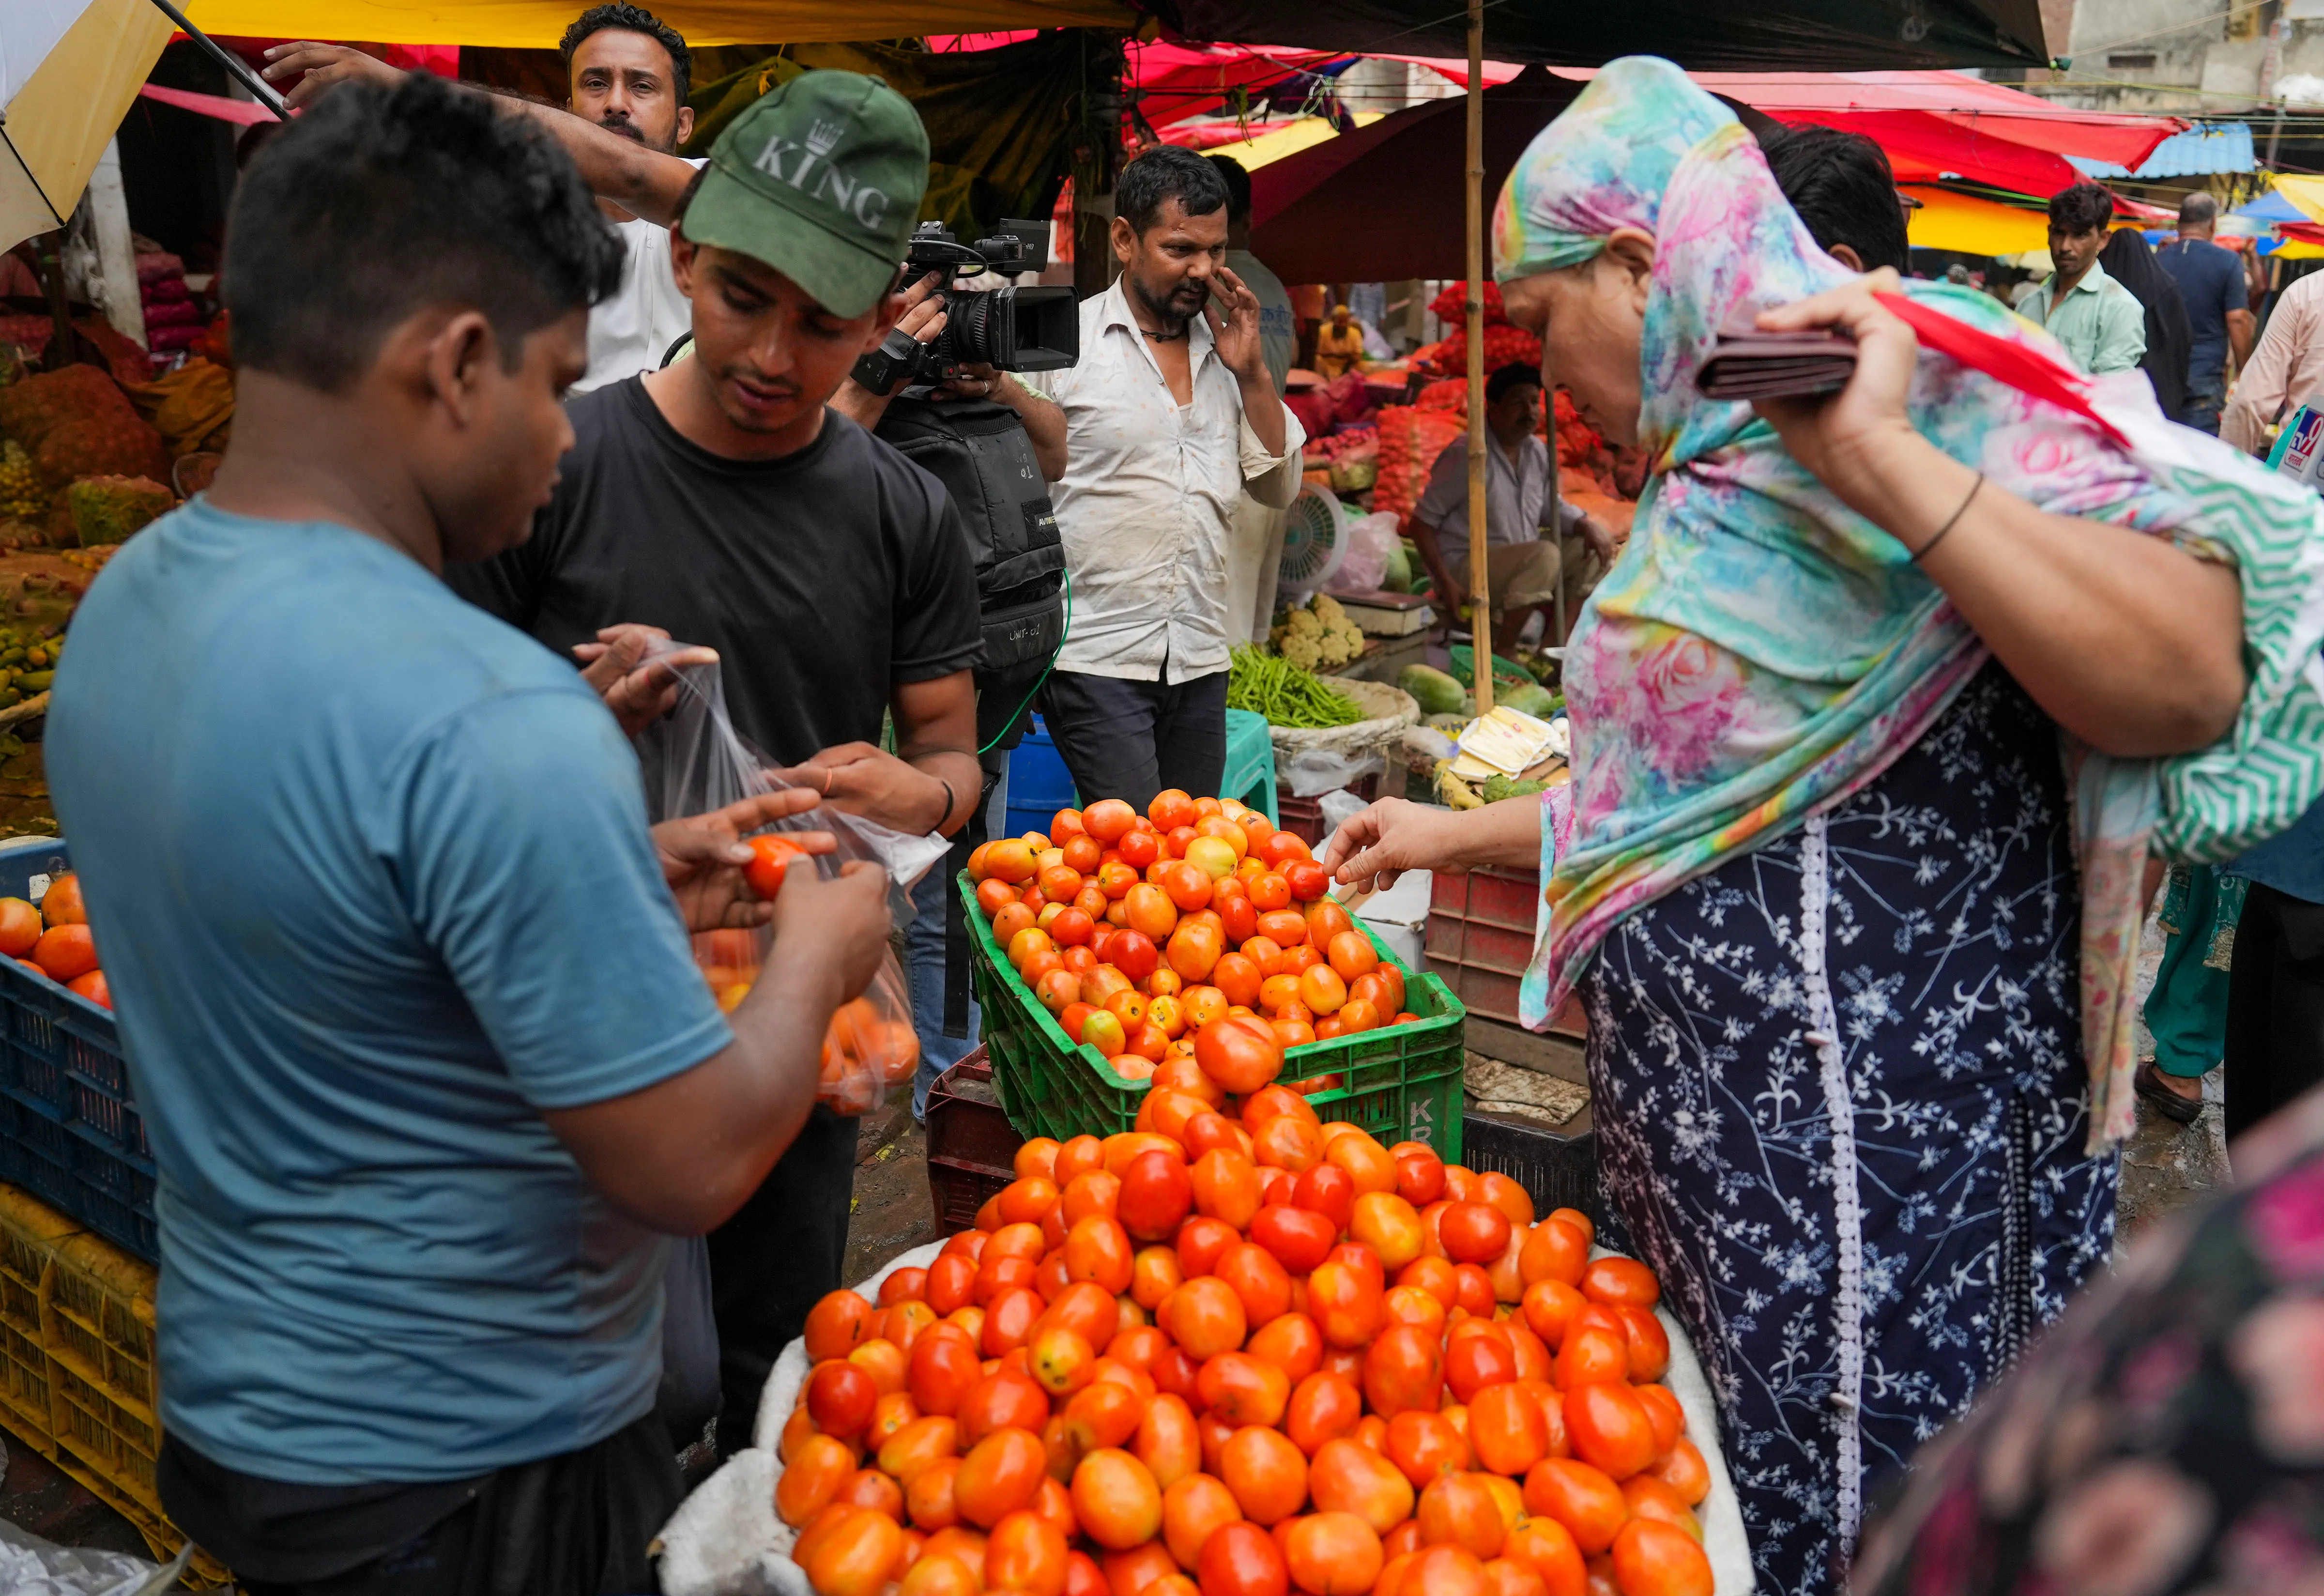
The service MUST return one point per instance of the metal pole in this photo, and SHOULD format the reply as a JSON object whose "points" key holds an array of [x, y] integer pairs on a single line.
{"points": [[259, 89], [1481, 606]]}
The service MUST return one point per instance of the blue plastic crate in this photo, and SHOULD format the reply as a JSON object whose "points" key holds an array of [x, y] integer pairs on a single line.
{"points": [[75, 1140]]}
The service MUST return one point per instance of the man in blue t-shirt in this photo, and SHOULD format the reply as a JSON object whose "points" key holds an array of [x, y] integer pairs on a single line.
{"points": [[2211, 281], [403, 977]]}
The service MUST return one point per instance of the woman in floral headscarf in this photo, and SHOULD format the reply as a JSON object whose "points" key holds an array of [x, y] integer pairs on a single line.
{"points": [[1876, 723]]}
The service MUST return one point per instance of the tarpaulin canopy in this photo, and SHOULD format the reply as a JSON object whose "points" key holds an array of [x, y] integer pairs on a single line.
{"points": [[1832, 35], [1176, 82], [2203, 148], [538, 23], [1973, 226], [1381, 203], [1000, 122], [69, 71]]}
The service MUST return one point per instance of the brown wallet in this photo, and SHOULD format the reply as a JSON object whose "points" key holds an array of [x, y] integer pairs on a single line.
{"points": [[1745, 364]]}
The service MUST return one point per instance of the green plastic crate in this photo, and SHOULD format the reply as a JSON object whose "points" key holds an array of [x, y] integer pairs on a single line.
{"points": [[1403, 1082]]}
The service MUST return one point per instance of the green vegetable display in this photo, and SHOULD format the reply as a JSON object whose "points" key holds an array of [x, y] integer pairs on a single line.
{"points": [[1498, 787], [1286, 695], [1536, 701]]}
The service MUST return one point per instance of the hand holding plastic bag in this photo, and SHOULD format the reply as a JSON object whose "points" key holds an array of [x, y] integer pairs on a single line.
{"points": [[705, 787]]}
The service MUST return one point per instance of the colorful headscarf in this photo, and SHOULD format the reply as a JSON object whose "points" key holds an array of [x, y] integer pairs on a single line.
{"points": [[1760, 652]]}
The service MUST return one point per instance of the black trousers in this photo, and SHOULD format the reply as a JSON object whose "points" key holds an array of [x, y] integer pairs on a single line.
{"points": [[1130, 739], [781, 1252], [2276, 1006], [577, 1524]]}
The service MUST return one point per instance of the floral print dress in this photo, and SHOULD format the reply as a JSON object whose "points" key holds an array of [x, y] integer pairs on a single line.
{"points": [[1842, 1109]]}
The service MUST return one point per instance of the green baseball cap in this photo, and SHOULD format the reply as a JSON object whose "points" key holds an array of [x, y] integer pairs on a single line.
{"points": [[821, 179]]}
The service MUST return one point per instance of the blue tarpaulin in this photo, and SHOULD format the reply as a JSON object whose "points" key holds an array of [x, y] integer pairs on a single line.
{"points": [[2206, 147]]}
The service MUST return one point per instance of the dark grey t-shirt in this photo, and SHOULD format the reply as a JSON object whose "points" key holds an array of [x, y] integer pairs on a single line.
{"points": [[822, 579]]}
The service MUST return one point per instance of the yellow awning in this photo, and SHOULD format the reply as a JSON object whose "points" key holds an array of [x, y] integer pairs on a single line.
{"points": [[1974, 226], [538, 23], [1304, 134], [2299, 249], [68, 81]]}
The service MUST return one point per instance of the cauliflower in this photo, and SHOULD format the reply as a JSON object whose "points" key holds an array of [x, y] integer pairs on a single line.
{"points": [[1334, 648], [1303, 623], [1328, 612], [1303, 649], [1355, 636]]}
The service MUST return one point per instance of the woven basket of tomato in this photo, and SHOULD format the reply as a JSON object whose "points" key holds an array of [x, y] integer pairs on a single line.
{"points": [[1245, 1356], [1104, 947]]}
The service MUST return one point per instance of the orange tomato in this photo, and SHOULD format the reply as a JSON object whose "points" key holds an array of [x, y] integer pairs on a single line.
{"points": [[1205, 1318], [1194, 949], [812, 1477], [1684, 1470], [1655, 1559], [1592, 1353], [1547, 1547], [1332, 1554], [857, 1557], [917, 1446], [1424, 1446], [1351, 952], [1650, 1498], [65, 952], [1000, 1475], [835, 1325], [1383, 1221], [1663, 1411], [1241, 1389], [1366, 1162], [1226, 1184], [1506, 1429], [1459, 1510], [1026, 1553], [1403, 1369], [92, 986], [1579, 1497], [1001, 1400], [1477, 1355], [1109, 820], [1267, 1473], [1473, 1232], [1193, 1509], [1554, 1250], [1167, 1441], [1345, 1303], [1620, 1280], [1321, 990], [1115, 1499], [1348, 1477], [928, 1496]]}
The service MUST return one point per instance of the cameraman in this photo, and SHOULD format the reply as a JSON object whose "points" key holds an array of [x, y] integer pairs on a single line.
{"points": [[923, 320], [936, 955]]}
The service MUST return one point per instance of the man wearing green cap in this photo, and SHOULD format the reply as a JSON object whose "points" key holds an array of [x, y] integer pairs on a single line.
{"points": [[719, 500]]}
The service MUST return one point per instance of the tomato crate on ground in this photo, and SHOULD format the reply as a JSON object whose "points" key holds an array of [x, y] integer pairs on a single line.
{"points": [[69, 1129], [1480, 939], [1401, 1083], [77, 1382], [972, 1146]]}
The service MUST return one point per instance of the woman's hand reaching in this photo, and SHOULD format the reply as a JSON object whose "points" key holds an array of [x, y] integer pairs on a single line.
{"points": [[1377, 844], [1850, 437]]}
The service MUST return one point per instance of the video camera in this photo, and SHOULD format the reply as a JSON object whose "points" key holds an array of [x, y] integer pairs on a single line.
{"points": [[1012, 329]]}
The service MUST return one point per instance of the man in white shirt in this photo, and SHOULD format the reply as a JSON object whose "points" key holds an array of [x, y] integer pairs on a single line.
{"points": [[629, 72], [1521, 567], [1169, 416], [1256, 547]]}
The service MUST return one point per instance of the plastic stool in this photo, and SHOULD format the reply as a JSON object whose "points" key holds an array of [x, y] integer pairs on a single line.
{"points": [[1250, 775]]}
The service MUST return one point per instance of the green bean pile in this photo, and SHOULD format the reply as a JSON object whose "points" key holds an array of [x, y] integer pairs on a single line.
{"points": [[1286, 695]]}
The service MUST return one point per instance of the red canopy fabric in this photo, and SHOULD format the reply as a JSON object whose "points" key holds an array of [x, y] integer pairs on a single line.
{"points": [[1924, 148], [1993, 109], [1176, 81]]}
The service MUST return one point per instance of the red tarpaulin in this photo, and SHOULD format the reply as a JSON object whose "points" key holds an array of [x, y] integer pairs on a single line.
{"points": [[1993, 109], [1176, 82]]}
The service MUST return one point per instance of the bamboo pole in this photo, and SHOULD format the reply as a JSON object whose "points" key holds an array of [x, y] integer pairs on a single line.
{"points": [[1480, 607]]}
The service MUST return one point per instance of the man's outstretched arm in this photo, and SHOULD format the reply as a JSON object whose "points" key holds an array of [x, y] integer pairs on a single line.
{"points": [[644, 182]]}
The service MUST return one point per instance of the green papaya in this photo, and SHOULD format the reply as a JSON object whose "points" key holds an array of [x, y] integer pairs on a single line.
{"points": [[1435, 692], [1397, 579]]}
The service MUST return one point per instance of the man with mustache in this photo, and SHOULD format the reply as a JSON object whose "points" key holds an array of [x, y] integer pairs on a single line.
{"points": [[1170, 416]]}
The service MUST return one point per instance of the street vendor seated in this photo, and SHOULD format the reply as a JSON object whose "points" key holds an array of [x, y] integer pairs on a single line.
{"points": [[402, 976], [1522, 568]]}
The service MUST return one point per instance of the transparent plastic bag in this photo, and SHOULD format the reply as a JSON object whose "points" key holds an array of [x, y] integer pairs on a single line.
{"points": [[694, 763]]}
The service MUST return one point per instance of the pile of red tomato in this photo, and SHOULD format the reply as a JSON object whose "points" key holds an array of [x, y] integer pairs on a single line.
{"points": [[1137, 931], [1242, 1352], [54, 940]]}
